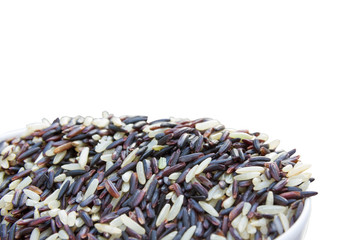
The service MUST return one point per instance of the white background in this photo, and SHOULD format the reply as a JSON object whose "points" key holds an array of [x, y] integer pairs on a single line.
{"points": [[287, 68]]}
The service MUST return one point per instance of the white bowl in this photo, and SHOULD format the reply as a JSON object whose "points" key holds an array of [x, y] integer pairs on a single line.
{"points": [[296, 232]]}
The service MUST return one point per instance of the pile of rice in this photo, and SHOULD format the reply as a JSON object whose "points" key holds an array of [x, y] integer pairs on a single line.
{"points": [[127, 178]]}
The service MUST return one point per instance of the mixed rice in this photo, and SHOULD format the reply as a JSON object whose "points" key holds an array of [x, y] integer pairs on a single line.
{"points": [[127, 178]]}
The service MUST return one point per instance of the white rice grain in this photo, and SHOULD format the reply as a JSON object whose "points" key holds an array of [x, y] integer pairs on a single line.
{"points": [[32, 195], [208, 208], [263, 136], [132, 224], [35, 234], [246, 176], [216, 237], [125, 187], [258, 223], [71, 218], [250, 169], [271, 209], [36, 213], [106, 157], [169, 195], [264, 230], [204, 164], [175, 209], [304, 186], [246, 208], [116, 121], [50, 152], [140, 172], [83, 158], [91, 189], [63, 217], [162, 163], [298, 169], [72, 166], [52, 196], [287, 168], [60, 177], [206, 125], [228, 178], [24, 183], [54, 212], [63, 234], [146, 187], [31, 203], [274, 144], [95, 217], [228, 202], [174, 176], [229, 236], [152, 134], [53, 236], [263, 184], [250, 229], [243, 223], [106, 228], [79, 222], [191, 173], [240, 135], [170, 236], [117, 222], [14, 184], [130, 157], [104, 142], [163, 214], [59, 157], [216, 136], [87, 121], [101, 122], [189, 233], [270, 198], [284, 221]]}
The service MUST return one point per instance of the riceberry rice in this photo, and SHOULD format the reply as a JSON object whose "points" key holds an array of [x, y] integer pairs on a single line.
{"points": [[127, 178]]}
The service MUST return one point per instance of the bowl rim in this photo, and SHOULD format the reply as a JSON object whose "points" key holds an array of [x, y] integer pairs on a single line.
{"points": [[295, 229], [300, 225]]}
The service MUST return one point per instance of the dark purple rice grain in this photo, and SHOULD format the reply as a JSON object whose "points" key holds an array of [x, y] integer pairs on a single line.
{"points": [[182, 176], [77, 186], [172, 169], [135, 119], [84, 230], [196, 206], [138, 197], [235, 234], [88, 201], [77, 172], [28, 153], [21, 174], [190, 157], [95, 159], [251, 213], [279, 185], [63, 189], [128, 167], [112, 169], [133, 183], [86, 218], [147, 169]]}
